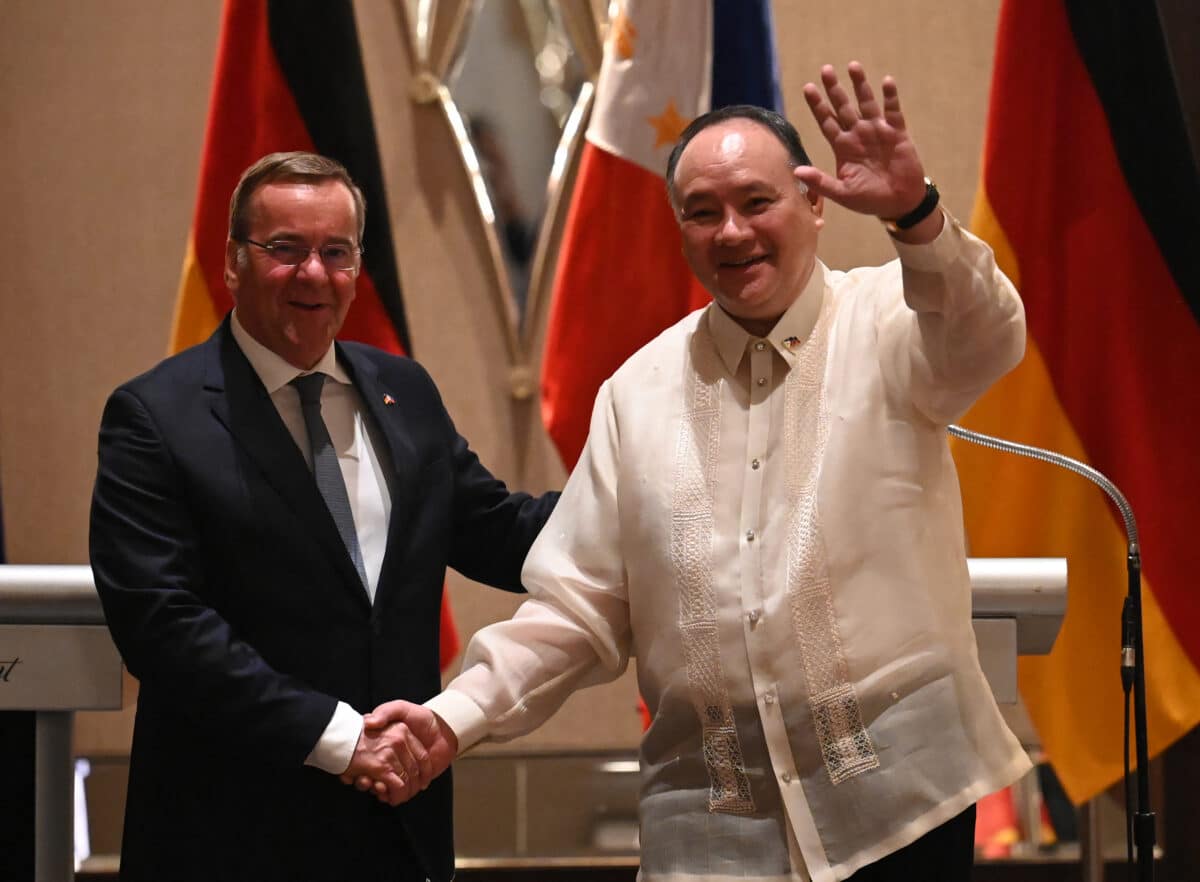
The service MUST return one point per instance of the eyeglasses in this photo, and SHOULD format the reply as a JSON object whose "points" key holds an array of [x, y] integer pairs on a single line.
{"points": [[334, 256]]}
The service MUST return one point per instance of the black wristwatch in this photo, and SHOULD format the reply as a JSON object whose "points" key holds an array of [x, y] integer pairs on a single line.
{"points": [[918, 214]]}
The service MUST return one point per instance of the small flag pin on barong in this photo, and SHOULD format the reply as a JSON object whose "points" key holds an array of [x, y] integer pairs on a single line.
{"points": [[791, 342]]}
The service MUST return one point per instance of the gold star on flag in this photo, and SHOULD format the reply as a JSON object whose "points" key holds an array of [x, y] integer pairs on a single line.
{"points": [[624, 35], [668, 125]]}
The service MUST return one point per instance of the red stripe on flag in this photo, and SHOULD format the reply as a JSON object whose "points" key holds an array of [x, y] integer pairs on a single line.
{"points": [[251, 113], [1119, 342], [621, 280]]}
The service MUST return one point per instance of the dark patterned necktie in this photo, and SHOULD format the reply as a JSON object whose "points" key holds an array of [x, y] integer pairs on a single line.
{"points": [[326, 470]]}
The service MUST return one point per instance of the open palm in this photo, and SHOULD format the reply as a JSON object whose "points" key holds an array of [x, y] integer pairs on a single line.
{"points": [[877, 168]]}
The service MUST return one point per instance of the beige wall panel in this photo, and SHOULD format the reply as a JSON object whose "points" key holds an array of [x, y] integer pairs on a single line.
{"points": [[941, 56], [101, 120], [102, 110]]}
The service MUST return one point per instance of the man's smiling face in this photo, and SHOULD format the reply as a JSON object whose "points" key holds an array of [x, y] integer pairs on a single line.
{"points": [[749, 230], [294, 311]]}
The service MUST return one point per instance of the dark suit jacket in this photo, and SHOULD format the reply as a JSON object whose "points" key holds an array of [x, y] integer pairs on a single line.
{"points": [[232, 599]]}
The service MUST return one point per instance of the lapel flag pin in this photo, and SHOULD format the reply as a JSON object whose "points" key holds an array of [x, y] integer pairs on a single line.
{"points": [[388, 399], [791, 342]]}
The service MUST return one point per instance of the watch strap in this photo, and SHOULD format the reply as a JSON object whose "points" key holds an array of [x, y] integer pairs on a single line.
{"points": [[918, 214]]}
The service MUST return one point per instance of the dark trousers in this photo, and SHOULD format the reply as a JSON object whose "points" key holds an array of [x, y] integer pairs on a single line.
{"points": [[944, 854]]}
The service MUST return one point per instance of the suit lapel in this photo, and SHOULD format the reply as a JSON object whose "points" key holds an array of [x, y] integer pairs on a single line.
{"points": [[241, 403]]}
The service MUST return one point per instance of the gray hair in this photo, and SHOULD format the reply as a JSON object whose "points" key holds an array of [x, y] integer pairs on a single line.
{"points": [[291, 166]]}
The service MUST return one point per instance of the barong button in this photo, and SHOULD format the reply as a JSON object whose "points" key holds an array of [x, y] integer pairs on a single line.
{"points": [[753, 616], [754, 463], [749, 535], [769, 698], [762, 381], [787, 777], [760, 345]]}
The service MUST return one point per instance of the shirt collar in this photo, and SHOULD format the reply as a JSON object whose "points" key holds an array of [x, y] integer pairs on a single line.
{"points": [[274, 371], [789, 333]]}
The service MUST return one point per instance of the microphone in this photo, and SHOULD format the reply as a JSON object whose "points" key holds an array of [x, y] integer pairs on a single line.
{"points": [[1139, 822]]}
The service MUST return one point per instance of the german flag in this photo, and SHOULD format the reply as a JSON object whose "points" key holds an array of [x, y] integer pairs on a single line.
{"points": [[289, 76], [1090, 198]]}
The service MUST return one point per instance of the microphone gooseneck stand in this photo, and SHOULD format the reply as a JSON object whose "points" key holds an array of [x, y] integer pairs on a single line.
{"points": [[1139, 821]]}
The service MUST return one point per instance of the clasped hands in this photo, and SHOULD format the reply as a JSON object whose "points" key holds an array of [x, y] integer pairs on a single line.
{"points": [[402, 748]]}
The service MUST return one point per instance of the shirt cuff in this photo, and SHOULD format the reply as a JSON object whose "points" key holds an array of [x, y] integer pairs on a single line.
{"points": [[464, 717], [935, 256], [335, 747]]}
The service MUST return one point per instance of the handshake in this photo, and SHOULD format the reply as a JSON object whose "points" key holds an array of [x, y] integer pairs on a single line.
{"points": [[403, 746]]}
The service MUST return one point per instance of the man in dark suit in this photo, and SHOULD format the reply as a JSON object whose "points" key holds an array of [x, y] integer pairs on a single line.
{"points": [[270, 552]]}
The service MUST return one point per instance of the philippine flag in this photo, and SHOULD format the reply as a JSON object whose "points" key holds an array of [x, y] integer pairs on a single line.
{"points": [[621, 275]]}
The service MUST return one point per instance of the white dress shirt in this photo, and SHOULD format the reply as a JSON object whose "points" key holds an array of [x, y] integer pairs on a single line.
{"points": [[366, 486], [773, 527]]}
